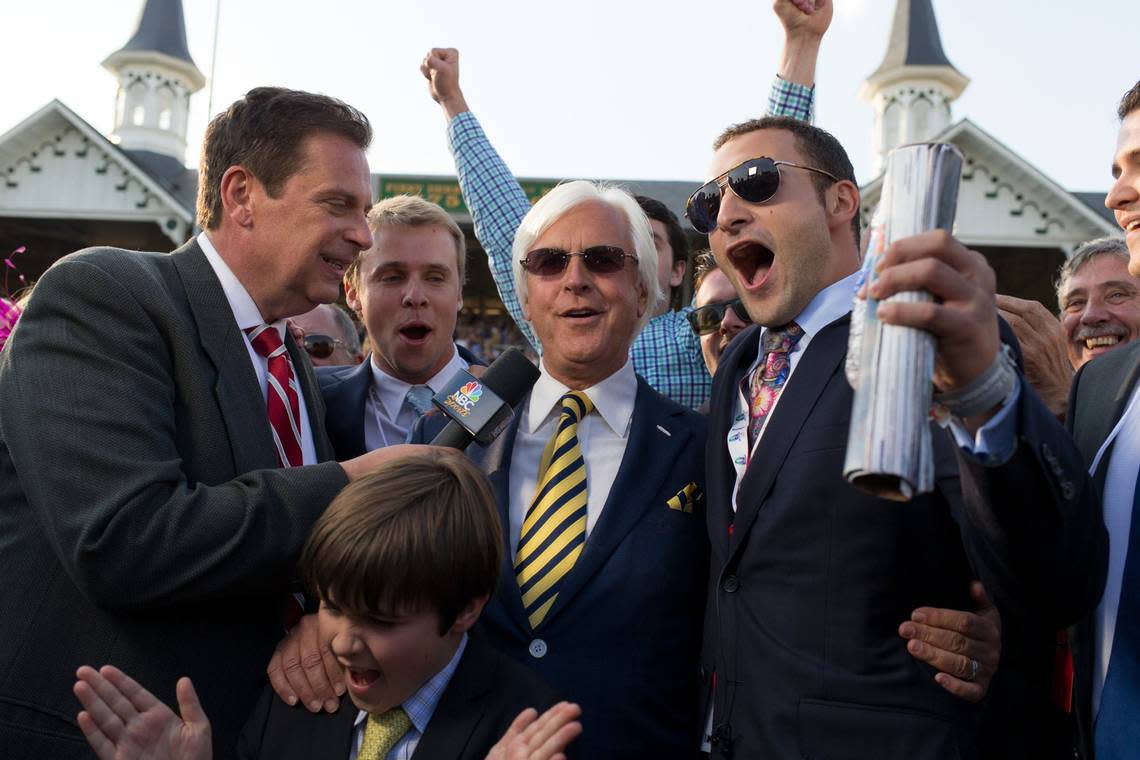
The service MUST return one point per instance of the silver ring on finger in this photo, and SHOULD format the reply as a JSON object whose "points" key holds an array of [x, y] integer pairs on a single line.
{"points": [[973, 670]]}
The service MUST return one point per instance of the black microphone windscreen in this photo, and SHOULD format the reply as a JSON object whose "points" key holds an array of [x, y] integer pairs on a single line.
{"points": [[511, 376]]}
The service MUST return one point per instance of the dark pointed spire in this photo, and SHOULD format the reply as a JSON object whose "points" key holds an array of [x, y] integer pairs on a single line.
{"points": [[162, 29], [914, 39]]}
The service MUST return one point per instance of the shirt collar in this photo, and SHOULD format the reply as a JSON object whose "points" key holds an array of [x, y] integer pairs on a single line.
{"points": [[613, 398], [391, 391], [829, 304], [421, 705], [246, 313]]}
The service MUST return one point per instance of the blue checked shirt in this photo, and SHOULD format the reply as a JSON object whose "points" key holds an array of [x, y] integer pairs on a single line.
{"points": [[667, 353], [419, 707]]}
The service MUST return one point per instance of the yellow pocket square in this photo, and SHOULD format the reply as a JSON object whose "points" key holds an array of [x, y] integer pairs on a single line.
{"points": [[687, 498]]}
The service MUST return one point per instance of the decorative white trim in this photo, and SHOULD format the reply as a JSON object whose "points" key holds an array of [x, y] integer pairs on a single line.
{"points": [[55, 134]]}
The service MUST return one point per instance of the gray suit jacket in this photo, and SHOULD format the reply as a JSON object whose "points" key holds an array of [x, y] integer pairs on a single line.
{"points": [[144, 521], [1100, 394]]}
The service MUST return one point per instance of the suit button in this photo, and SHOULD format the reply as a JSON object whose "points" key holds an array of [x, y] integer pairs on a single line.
{"points": [[730, 584], [537, 648]]}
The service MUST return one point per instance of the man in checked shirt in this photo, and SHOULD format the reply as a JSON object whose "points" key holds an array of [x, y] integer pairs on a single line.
{"points": [[666, 353]]}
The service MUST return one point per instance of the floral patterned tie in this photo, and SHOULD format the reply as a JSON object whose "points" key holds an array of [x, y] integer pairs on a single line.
{"points": [[766, 382]]}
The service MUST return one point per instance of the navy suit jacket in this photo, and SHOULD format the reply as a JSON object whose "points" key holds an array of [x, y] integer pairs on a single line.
{"points": [[622, 637], [345, 391], [807, 591], [1094, 410], [486, 693]]}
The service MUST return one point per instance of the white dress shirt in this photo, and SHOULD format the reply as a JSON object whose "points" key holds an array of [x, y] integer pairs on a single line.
{"points": [[829, 304], [387, 418], [602, 436], [1119, 491], [247, 315]]}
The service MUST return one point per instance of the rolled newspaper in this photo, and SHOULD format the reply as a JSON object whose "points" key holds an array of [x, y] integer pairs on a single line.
{"points": [[890, 367]]}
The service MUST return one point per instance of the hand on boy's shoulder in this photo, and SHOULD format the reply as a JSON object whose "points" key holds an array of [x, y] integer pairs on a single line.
{"points": [[304, 670], [539, 737]]}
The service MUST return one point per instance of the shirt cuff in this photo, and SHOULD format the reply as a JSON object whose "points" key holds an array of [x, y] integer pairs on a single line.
{"points": [[995, 441], [791, 99]]}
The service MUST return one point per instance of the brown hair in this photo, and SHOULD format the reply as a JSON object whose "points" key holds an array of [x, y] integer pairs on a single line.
{"points": [[1130, 102], [703, 264], [413, 211], [265, 132], [821, 149], [420, 532]]}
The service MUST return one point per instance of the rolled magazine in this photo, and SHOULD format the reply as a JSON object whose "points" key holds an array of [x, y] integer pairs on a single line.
{"points": [[890, 367]]}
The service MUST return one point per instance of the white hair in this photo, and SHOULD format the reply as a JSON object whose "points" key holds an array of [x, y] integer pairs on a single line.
{"points": [[555, 204]]}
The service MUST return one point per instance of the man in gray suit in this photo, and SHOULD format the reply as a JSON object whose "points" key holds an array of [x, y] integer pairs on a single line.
{"points": [[162, 445]]}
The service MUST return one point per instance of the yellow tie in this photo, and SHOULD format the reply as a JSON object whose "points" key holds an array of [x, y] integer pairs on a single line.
{"points": [[382, 733], [554, 530]]}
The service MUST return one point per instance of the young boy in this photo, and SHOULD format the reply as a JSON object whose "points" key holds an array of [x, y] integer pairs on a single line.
{"points": [[403, 561]]}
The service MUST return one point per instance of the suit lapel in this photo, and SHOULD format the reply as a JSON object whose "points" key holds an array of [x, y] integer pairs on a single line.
{"points": [[236, 388], [820, 361], [495, 461], [460, 709], [311, 392], [735, 364], [333, 737], [634, 490], [347, 401], [1097, 417]]}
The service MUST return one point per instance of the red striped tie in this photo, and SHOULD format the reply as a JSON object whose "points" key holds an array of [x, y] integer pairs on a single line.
{"points": [[282, 403]]}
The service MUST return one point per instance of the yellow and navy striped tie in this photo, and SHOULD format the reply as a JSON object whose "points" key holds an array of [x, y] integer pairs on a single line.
{"points": [[554, 529]]}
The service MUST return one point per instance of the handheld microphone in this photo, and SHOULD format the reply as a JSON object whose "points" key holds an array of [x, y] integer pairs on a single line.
{"points": [[479, 408]]}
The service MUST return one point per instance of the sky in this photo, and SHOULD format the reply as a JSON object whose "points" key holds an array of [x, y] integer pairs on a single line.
{"points": [[618, 89]]}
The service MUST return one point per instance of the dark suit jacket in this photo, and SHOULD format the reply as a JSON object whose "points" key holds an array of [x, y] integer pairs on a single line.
{"points": [[144, 519], [807, 593], [621, 639], [345, 392], [1100, 393], [486, 693]]}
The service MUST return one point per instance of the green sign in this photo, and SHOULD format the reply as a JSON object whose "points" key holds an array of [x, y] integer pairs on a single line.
{"points": [[446, 192]]}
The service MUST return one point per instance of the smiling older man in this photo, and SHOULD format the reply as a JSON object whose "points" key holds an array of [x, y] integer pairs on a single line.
{"points": [[599, 481]]}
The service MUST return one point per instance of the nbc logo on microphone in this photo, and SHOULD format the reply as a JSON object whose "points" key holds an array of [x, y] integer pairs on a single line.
{"points": [[464, 399]]}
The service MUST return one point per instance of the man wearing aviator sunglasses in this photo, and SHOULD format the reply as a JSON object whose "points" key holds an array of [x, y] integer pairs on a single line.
{"points": [[824, 562], [719, 314]]}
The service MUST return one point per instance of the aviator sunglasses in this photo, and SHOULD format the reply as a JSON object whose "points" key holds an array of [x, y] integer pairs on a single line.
{"points": [[756, 180], [599, 259], [321, 346], [706, 319]]}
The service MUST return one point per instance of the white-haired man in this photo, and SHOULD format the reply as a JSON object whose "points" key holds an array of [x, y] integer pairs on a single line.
{"points": [[599, 484]]}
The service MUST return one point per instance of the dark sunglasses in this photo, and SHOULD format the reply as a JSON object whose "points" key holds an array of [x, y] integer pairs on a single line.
{"points": [[321, 346], [756, 180], [599, 259], [706, 319]]}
